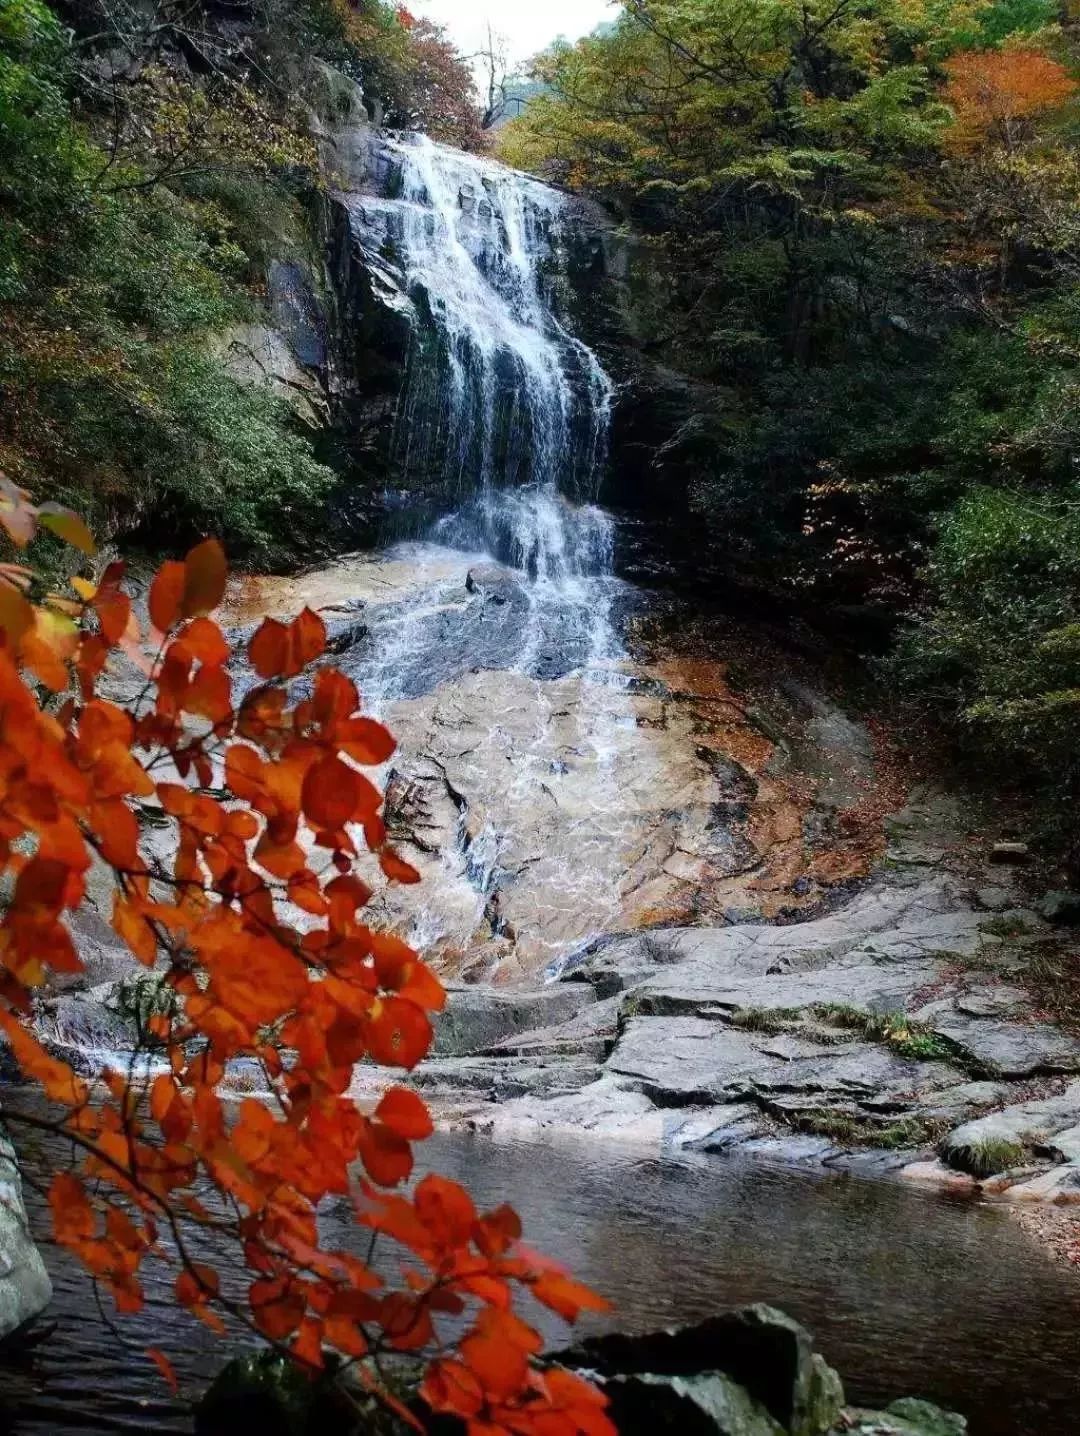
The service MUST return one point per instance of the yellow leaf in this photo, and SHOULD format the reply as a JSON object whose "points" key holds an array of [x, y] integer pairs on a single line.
{"points": [[68, 526]]}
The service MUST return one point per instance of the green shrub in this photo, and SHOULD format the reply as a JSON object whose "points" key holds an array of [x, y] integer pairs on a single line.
{"points": [[109, 399], [985, 1157]]}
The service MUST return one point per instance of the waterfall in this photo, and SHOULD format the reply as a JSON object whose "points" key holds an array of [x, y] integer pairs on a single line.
{"points": [[507, 686], [500, 399]]}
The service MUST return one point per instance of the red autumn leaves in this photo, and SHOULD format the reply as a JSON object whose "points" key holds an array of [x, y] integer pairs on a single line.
{"points": [[253, 922]]}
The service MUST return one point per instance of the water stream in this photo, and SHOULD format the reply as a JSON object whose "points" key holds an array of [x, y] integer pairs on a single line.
{"points": [[904, 1292]]}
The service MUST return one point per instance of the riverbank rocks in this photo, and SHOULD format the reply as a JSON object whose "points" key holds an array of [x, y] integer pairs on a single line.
{"points": [[25, 1288], [1046, 1128], [907, 1417], [748, 1372], [744, 1372], [897, 1023], [479, 1018]]}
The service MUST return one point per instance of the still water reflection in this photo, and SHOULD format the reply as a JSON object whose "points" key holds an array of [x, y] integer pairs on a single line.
{"points": [[906, 1293]]}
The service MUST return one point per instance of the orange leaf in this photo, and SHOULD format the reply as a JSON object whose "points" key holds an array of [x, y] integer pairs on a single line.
{"points": [[331, 793], [113, 608], [205, 572], [167, 594], [405, 1113], [342, 1332], [16, 613], [307, 1343], [133, 927], [118, 832], [209, 695], [365, 741], [397, 869], [398, 1034], [203, 640], [72, 1214], [451, 1387], [446, 1209], [278, 1307], [269, 649], [497, 1231], [48, 646], [499, 1366], [165, 1366], [56, 1078], [387, 1157], [196, 1285], [279, 651], [308, 635], [566, 1296]]}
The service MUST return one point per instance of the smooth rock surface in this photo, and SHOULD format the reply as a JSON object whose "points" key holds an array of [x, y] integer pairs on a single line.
{"points": [[25, 1288], [896, 1021]]}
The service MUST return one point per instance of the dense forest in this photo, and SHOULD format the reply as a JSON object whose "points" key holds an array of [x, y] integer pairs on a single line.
{"points": [[869, 209], [865, 212]]}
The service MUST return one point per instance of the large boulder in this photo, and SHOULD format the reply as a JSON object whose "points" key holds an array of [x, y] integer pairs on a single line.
{"points": [[751, 1372], [478, 1018], [25, 1288]]}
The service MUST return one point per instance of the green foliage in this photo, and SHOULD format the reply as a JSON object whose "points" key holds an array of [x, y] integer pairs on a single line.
{"points": [[138, 998], [866, 220], [1003, 18], [109, 396], [851, 1131], [139, 218], [906, 1038], [986, 1157], [770, 1020]]}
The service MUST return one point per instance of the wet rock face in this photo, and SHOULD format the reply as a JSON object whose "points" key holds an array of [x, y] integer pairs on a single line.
{"points": [[550, 792]]}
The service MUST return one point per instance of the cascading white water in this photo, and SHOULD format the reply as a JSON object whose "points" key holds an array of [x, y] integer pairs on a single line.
{"points": [[506, 412], [500, 398]]}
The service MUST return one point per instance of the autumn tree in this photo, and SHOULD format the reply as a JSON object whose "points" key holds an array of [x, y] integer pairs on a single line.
{"points": [[438, 92], [994, 94], [254, 926], [409, 68]]}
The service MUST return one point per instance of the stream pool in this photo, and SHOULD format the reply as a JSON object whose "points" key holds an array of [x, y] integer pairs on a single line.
{"points": [[906, 1292]]}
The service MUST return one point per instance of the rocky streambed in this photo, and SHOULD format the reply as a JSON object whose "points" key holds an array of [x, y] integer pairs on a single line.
{"points": [[677, 891], [682, 900], [894, 1034]]}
